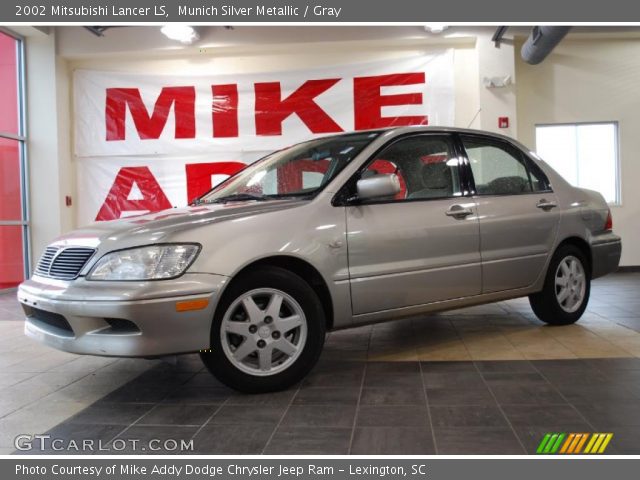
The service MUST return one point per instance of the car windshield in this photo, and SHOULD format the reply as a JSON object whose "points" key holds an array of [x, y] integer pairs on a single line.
{"points": [[297, 171]]}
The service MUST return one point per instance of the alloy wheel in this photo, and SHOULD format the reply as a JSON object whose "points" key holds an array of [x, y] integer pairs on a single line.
{"points": [[263, 331], [570, 283]]}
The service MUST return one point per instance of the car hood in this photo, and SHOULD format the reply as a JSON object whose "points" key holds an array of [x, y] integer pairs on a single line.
{"points": [[160, 226]]}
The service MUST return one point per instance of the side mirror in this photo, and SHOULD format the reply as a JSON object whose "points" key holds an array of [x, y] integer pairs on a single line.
{"points": [[378, 186]]}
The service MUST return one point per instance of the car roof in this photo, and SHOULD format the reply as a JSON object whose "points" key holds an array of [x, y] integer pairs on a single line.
{"points": [[438, 129], [391, 132]]}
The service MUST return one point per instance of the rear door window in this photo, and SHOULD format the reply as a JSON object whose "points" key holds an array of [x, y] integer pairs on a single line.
{"points": [[500, 169]]}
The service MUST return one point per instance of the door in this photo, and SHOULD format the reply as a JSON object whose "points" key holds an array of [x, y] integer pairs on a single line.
{"points": [[517, 210], [421, 246]]}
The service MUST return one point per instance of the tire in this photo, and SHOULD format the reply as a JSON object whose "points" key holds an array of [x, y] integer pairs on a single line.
{"points": [[267, 333], [566, 290]]}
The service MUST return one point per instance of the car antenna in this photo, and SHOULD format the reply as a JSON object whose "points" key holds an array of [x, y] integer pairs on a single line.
{"points": [[474, 117]]}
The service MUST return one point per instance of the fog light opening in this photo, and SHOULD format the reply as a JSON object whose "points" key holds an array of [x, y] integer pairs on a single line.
{"points": [[121, 326]]}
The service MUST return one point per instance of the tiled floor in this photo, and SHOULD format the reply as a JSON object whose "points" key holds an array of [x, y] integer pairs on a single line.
{"points": [[488, 379]]}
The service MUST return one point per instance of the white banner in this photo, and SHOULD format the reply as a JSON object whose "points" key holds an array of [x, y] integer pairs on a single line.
{"points": [[147, 142]]}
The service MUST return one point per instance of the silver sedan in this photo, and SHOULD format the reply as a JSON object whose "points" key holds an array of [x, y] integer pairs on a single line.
{"points": [[332, 233]]}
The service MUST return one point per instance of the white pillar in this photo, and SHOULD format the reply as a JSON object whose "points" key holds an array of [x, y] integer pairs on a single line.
{"points": [[50, 172], [497, 101]]}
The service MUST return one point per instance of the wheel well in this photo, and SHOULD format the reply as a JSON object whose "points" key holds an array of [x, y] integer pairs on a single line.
{"points": [[303, 269], [582, 245]]}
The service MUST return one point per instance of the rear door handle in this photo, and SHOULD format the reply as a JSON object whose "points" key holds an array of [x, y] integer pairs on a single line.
{"points": [[546, 205], [458, 212]]}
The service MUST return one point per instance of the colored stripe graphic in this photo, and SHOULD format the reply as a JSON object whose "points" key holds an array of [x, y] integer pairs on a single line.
{"points": [[556, 446], [582, 442], [573, 443], [543, 443], [605, 443], [570, 439], [591, 443]]}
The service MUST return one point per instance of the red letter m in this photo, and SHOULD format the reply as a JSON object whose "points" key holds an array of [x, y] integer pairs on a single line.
{"points": [[150, 126]]}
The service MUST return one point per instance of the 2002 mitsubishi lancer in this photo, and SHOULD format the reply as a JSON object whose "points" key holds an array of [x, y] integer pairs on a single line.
{"points": [[332, 233]]}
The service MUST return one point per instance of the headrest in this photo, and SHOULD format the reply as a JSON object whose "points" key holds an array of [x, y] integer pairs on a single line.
{"points": [[436, 176]]}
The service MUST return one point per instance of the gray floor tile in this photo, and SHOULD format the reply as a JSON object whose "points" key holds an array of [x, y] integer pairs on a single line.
{"points": [[248, 415], [502, 366], [392, 416], [309, 441], [111, 413], [526, 416], [199, 396], [399, 380], [410, 395], [195, 415], [477, 441], [586, 393], [467, 416], [335, 378], [312, 416], [448, 367], [275, 399], [135, 392], [527, 394], [454, 379], [232, 439], [460, 396], [327, 396], [392, 441], [622, 413]]}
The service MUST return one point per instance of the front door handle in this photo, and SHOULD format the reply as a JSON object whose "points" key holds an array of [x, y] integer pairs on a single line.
{"points": [[546, 205], [458, 212]]}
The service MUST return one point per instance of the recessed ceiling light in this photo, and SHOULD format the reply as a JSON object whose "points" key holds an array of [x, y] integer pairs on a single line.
{"points": [[181, 33], [435, 27]]}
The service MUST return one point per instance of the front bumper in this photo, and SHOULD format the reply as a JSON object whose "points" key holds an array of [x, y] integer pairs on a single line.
{"points": [[125, 319], [605, 253]]}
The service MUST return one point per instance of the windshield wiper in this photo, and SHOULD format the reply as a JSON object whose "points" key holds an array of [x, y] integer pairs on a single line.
{"points": [[239, 197]]}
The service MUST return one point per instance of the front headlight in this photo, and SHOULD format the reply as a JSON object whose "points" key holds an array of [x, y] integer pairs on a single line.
{"points": [[155, 262]]}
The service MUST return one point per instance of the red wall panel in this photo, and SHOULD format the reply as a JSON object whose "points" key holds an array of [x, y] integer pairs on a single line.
{"points": [[8, 84], [11, 266]]}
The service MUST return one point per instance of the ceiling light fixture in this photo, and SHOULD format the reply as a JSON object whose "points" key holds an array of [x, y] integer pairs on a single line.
{"points": [[182, 33], [435, 27]]}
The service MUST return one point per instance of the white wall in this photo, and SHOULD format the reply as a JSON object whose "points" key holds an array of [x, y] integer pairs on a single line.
{"points": [[591, 80]]}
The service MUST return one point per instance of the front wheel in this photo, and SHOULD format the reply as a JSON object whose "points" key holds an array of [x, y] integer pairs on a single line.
{"points": [[268, 332], [566, 290]]}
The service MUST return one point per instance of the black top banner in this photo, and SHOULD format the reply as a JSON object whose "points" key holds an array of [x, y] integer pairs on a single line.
{"points": [[317, 11]]}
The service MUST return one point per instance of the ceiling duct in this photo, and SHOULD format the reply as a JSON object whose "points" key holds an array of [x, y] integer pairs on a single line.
{"points": [[541, 43]]}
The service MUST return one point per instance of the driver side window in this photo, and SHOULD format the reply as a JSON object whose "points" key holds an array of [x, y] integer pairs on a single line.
{"points": [[425, 165]]}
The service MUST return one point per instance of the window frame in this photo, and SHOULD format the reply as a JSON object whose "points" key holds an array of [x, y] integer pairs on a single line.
{"points": [[527, 162], [345, 195], [618, 164], [21, 137]]}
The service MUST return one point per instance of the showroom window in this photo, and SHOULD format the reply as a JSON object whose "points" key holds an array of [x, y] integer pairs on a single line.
{"points": [[14, 225], [585, 154]]}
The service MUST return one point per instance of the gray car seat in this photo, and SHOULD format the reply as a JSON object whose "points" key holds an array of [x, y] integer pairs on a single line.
{"points": [[437, 181]]}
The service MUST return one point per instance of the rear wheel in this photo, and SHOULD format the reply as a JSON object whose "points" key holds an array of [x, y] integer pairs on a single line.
{"points": [[566, 290], [267, 333]]}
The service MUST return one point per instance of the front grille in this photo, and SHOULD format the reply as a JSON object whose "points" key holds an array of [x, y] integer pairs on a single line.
{"points": [[63, 263], [52, 319]]}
